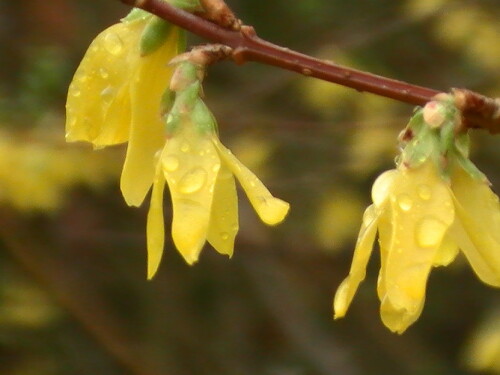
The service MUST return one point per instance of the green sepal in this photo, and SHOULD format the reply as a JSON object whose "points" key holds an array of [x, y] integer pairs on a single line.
{"points": [[186, 73], [187, 5], [172, 122], [136, 14], [154, 35], [186, 100], [446, 137], [203, 119], [462, 144], [167, 101], [419, 148], [421, 142], [470, 167]]}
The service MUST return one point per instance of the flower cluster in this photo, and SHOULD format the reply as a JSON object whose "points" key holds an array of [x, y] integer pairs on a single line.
{"points": [[200, 173], [433, 205], [120, 94]]}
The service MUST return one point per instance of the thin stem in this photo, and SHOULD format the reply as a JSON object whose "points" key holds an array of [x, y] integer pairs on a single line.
{"points": [[247, 46]]}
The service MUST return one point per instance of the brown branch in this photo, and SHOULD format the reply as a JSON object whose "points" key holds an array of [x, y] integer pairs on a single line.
{"points": [[247, 46]]}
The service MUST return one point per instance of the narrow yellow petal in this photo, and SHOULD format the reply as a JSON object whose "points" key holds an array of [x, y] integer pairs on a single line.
{"points": [[271, 210], [191, 165], [357, 273], [147, 129], [155, 225], [224, 214], [384, 241], [99, 89], [421, 213], [446, 253], [478, 233]]}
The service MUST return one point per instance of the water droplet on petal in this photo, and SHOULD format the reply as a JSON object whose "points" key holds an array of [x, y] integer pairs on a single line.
{"points": [[224, 236], [107, 93], [185, 147], [404, 201], [170, 163], [103, 73], [193, 181], [113, 44], [429, 232], [216, 168], [424, 192], [76, 92]]}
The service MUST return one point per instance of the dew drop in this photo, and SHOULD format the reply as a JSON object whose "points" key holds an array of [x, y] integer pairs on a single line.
{"points": [[170, 163], [107, 93], [193, 181], [113, 44], [224, 236], [76, 92], [404, 201], [82, 78], [216, 168], [429, 232], [185, 147], [424, 192], [103, 73]]}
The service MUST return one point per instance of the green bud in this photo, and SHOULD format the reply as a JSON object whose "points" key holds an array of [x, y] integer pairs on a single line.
{"points": [[154, 35]]}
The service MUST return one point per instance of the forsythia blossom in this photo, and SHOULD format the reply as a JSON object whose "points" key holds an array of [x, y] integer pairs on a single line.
{"points": [[433, 205], [119, 93], [115, 95], [200, 173]]}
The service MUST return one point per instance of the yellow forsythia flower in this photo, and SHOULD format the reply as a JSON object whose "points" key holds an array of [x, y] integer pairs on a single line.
{"points": [[200, 174], [115, 97], [422, 220]]}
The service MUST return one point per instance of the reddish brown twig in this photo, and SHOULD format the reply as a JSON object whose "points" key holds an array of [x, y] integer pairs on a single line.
{"points": [[247, 46]]}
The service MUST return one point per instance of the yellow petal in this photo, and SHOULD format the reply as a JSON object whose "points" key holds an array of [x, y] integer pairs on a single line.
{"points": [[479, 263], [384, 241], [357, 273], [147, 128], [155, 225], [382, 186], [224, 214], [478, 232], [271, 210], [97, 105], [446, 253], [191, 165], [421, 213]]}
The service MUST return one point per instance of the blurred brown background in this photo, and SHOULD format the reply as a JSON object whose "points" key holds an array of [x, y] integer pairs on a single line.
{"points": [[73, 294]]}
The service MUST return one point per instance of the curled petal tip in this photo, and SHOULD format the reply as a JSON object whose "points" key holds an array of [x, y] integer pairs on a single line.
{"points": [[273, 211]]}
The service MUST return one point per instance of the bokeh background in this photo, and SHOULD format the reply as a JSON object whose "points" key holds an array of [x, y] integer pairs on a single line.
{"points": [[73, 294]]}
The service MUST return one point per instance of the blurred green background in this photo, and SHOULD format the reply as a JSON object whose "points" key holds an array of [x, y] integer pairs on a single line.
{"points": [[73, 292]]}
